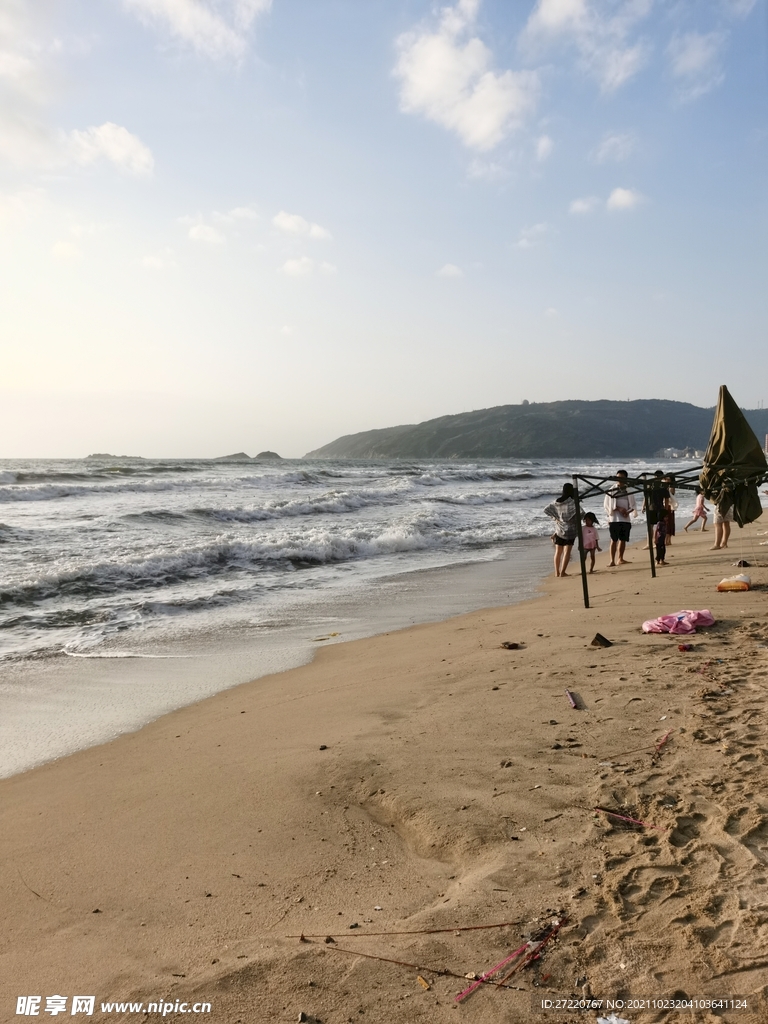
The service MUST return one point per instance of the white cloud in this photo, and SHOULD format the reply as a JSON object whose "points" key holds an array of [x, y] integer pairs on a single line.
{"points": [[25, 138], [615, 147], [111, 142], [162, 260], [299, 267], [599, 30], [286, 329], [205, 233], [585, 205], [215, 28], [67, 252], [328, 268], [544, 147], [21, 205], [551, 313], [695, 62], [534, 235], [243, 213], [450, 270], [623, 199], [486, 170], [739, 8], [446, 75], [239, 213], [294, 224]]}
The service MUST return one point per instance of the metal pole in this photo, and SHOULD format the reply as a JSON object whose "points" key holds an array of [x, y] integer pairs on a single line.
{"points": [[649, 524], [580, 535]]}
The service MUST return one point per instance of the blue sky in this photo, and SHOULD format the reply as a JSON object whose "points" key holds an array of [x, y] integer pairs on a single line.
{"points": [[236, 224]]}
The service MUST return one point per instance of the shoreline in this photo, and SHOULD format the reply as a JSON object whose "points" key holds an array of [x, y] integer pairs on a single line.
{"points": [[58, 705], [433, 774]]}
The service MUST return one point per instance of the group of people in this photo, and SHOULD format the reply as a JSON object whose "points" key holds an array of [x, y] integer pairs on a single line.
{"points": [[659, 507]]}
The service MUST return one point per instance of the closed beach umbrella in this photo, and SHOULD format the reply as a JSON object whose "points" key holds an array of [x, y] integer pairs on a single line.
{"points": [[734, 464]]}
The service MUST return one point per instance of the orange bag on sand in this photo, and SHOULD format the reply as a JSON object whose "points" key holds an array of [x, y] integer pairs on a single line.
{"points": [[741, 582]]}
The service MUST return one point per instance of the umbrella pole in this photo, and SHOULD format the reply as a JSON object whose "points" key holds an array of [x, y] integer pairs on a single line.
{"points": [[580, 535]]}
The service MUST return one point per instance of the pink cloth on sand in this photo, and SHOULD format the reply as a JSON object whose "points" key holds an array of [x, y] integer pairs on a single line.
{"points": [[679, 622]]}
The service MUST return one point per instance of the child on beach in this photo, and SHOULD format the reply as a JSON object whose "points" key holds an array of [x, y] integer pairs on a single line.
{"points": [[660, 540], [591, 539], [699, 512]]}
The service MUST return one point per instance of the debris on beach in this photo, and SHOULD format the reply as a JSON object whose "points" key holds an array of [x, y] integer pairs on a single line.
{"points": [[731, 583], [631, 821], [600, 641], [685, 621], [510, 645]]}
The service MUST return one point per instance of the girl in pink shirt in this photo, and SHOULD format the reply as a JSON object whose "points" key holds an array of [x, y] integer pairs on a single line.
{"points": [[591, 539], [699, 512]]}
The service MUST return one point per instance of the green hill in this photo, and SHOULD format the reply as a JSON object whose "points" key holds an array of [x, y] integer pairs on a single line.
{"points": [[542, 430]]}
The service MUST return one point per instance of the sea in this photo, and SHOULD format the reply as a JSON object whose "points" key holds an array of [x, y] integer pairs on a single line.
{"points": [[130, 587]]}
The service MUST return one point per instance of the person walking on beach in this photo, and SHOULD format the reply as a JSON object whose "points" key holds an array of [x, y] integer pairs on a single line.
{"points": [[619, 504], [656, 502], [591, 539], [722, 528], [700, 512], [669, 483], [563, 511], [660, 540]]}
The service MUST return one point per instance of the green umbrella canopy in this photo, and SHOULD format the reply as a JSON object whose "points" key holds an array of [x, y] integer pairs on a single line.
{"points": [[734, 464]]}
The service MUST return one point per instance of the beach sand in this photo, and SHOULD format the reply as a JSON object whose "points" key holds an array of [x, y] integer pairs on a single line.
{"points": [[420, 780]]}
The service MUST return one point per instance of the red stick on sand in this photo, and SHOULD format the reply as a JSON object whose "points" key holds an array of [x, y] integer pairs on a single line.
{"points": [[663, 740], [487, 975], [571, 699], [635, 821]]}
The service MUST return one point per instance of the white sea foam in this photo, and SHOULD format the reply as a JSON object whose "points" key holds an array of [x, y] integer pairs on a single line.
{"points": [[102, 550]]}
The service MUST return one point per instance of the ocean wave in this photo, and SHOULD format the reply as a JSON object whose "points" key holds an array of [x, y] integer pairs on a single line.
{"points": [[331, 503], [492, 497], [227, 555], [52, 487]]}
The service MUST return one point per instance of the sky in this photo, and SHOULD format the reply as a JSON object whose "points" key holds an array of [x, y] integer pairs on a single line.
{"points": [[235, 225]]}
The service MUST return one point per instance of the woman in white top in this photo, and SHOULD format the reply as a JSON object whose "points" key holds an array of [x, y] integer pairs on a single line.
{"points": [[563, 511]]}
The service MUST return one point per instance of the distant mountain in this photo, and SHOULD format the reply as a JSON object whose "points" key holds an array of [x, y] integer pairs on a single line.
{"points": [[105, 455], [541, 430], [242, 457]]}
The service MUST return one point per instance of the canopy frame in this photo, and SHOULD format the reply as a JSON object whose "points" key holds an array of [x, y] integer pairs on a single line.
{"points": [[685, 480]]}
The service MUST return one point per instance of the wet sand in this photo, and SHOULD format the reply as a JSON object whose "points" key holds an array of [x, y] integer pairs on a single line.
{"points": [[419, 780]]}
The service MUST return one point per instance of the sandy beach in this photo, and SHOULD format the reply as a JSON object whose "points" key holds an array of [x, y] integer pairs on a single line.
{"points": [[399, 794]]}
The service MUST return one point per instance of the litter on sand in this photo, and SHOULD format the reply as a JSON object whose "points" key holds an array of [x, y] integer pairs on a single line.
{"points": [[494, 970], [740, 582], [633, 821], [601, 641], [679, 622], [613, 1019], [510, 645]]}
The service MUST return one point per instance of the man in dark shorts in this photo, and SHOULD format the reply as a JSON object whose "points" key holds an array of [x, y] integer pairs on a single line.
{"points": [[619, 505], [656, 506]]}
